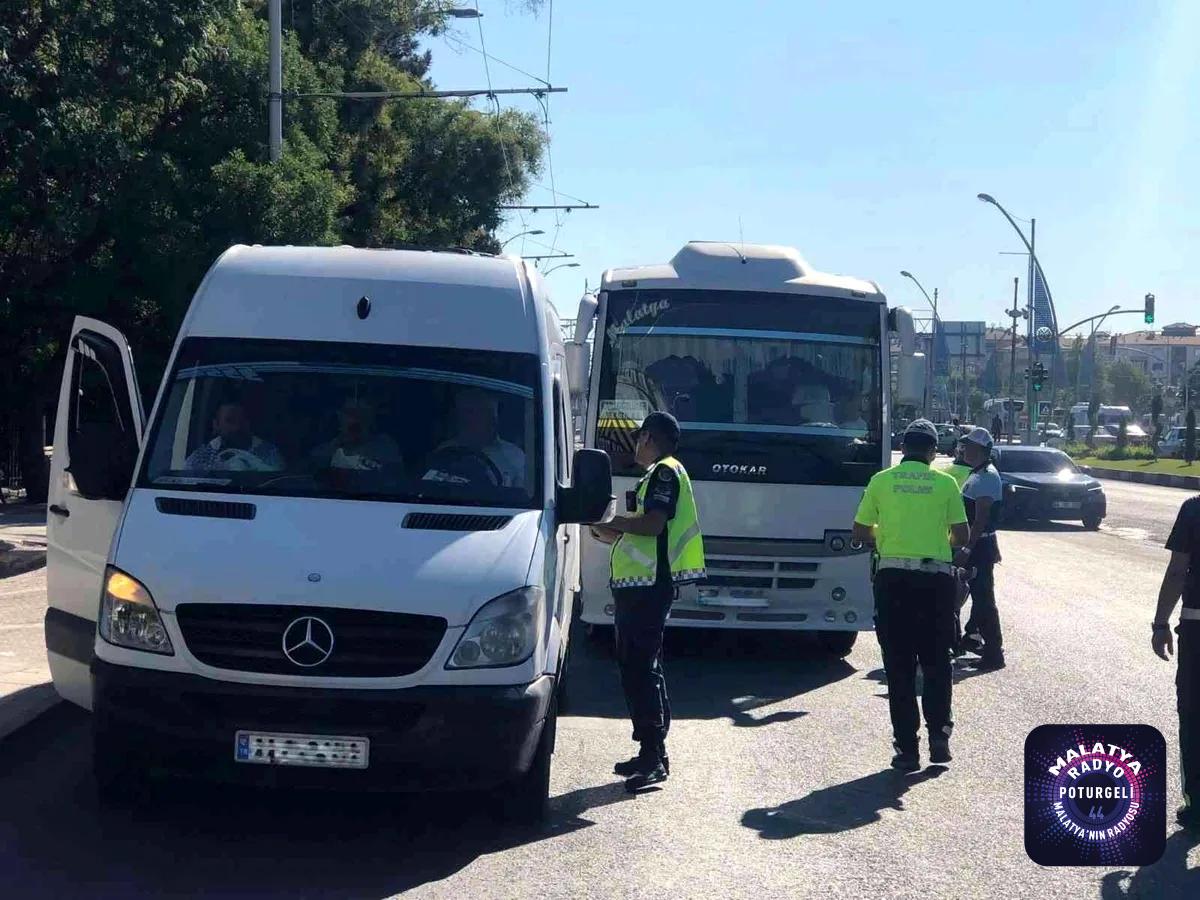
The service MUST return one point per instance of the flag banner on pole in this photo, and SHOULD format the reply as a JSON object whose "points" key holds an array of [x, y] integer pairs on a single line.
{"points": [[1045, 328]]}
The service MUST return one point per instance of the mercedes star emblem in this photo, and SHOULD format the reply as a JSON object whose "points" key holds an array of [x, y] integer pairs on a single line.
{"points": [[308, 641]]}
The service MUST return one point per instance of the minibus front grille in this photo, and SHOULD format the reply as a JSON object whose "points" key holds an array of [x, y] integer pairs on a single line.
{"points": [[454, 522], [366, 643]]}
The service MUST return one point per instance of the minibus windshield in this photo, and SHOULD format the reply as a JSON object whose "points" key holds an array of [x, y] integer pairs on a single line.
{"points": [[364, 421]]}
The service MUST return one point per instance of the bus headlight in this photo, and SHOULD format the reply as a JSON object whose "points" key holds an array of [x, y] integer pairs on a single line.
{"points": [[503, 632], [128, 616]]}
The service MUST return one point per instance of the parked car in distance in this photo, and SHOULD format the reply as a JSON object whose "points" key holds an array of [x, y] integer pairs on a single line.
{"points": [[1135, 435], [1101, 438], [1171, 444], [1044, 484], [948, 437]]}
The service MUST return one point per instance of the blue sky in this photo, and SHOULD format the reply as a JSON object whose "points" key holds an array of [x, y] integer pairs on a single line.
{"points": [[860, 133]]}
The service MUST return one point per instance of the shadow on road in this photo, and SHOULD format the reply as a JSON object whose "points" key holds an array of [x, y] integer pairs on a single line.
{"points": [[711, 675], [192, 839], [842, 807], [964, 669], [1044, 525], [1169, 877]]}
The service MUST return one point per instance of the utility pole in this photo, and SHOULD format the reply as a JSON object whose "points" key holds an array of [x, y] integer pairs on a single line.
{"points": [[275, 78], [1012, 367], [933, 348], [962, 381], [1030, 399]]}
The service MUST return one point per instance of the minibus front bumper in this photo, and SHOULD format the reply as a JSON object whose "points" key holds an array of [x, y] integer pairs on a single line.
{"points": [[421, 739]]}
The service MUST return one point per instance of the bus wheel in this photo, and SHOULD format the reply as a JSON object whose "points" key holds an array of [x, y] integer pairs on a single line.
{"points": [[837, 643]]}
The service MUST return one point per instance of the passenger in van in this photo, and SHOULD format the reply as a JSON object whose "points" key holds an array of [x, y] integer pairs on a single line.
{"points": [[357, 445], [476, 428], [235, 448]]}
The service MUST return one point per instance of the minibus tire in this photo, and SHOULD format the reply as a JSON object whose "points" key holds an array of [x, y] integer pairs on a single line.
{"points": [[837, 643], [525, 801], [1092, 522]]}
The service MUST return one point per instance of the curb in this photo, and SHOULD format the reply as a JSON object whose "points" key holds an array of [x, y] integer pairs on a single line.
{"points": [[1162, 479], [20, 708]]}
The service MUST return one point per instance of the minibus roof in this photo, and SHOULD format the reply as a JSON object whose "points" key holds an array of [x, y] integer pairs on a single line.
{"points": [[413, 297]]}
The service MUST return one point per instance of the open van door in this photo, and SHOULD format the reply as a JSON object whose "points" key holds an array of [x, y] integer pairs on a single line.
{"points": [[97, 433]]}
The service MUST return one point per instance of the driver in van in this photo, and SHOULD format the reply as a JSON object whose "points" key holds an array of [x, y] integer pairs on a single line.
{"points": [[235, 447], [357, 444], [477, 427]]}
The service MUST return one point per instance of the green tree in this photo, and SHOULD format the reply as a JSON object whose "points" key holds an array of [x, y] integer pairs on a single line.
{"points": [[132, 152], [1128, 385]]}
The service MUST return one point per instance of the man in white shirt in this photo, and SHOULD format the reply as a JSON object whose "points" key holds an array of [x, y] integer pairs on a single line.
{"points": [[476, 427], [357, 444]]}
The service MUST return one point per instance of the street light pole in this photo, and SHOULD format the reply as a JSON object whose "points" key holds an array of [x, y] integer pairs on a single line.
{"points": [[533, 232], [933, 301], [1012, 366], [560, 266]]}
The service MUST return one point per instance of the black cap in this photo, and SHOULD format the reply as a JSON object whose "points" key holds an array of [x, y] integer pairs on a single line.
{"points": [[663, 427]]}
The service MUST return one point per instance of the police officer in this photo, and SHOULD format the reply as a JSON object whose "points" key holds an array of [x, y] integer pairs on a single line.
{"points": [[656, 548], [959, 470], [911, 513], [1183, 578], [982, 493]]}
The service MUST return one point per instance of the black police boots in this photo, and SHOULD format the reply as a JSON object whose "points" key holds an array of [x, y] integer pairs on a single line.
{"points": [[906, 759], [647, 768], [632, 765]]}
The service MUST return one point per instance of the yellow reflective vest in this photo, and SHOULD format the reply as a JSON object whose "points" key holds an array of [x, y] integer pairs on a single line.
{"points": [[635, 556]]}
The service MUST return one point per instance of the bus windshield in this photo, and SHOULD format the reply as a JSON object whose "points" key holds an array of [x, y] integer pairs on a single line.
{"points": [[773, 387]]}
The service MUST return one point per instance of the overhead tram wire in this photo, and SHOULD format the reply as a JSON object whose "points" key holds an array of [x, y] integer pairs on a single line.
{"points": [[487, 72], [545, 104]]}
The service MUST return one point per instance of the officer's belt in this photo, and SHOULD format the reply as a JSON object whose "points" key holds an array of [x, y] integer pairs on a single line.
{"points": [[1189, 612], [931, 566]]}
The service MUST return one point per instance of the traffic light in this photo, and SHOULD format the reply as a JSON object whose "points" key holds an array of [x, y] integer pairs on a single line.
{"points": [[1149, 309], [1038, 376]]}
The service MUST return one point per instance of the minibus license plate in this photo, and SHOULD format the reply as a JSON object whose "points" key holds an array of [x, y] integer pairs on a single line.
{"points": [[317, 750], [1067, 504]]}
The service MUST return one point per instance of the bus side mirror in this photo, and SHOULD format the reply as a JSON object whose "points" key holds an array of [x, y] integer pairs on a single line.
{"points": [[590, 493], [910, 380], [579, 358]]}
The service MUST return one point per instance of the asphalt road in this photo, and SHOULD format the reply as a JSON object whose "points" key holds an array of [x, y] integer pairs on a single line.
{"points": [[780, 784]]}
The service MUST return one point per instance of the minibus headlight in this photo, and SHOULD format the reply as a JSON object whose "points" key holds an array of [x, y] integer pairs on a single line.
{"points": [[503, 633], [128, 616]]}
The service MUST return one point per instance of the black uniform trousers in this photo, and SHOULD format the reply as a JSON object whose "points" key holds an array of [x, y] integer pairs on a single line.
{"points": [[639, 620], [1187, 687], [985, 616], [915, 622]]}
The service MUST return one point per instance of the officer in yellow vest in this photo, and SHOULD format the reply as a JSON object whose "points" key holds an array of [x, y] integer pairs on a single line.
{"points": [[655, 548], [912, 513]]}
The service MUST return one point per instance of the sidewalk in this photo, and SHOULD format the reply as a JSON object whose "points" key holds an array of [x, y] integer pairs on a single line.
{"points": [[1163, 479], [25, 689]]}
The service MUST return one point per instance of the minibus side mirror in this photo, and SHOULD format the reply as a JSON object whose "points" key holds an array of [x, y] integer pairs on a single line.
{"points": [[590, 493]]}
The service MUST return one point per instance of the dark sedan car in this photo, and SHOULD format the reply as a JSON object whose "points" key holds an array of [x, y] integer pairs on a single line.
{"points": [[1043, 483]]}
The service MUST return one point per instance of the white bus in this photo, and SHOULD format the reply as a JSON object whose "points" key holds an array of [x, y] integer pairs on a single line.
{"points": [[780, 378]]}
